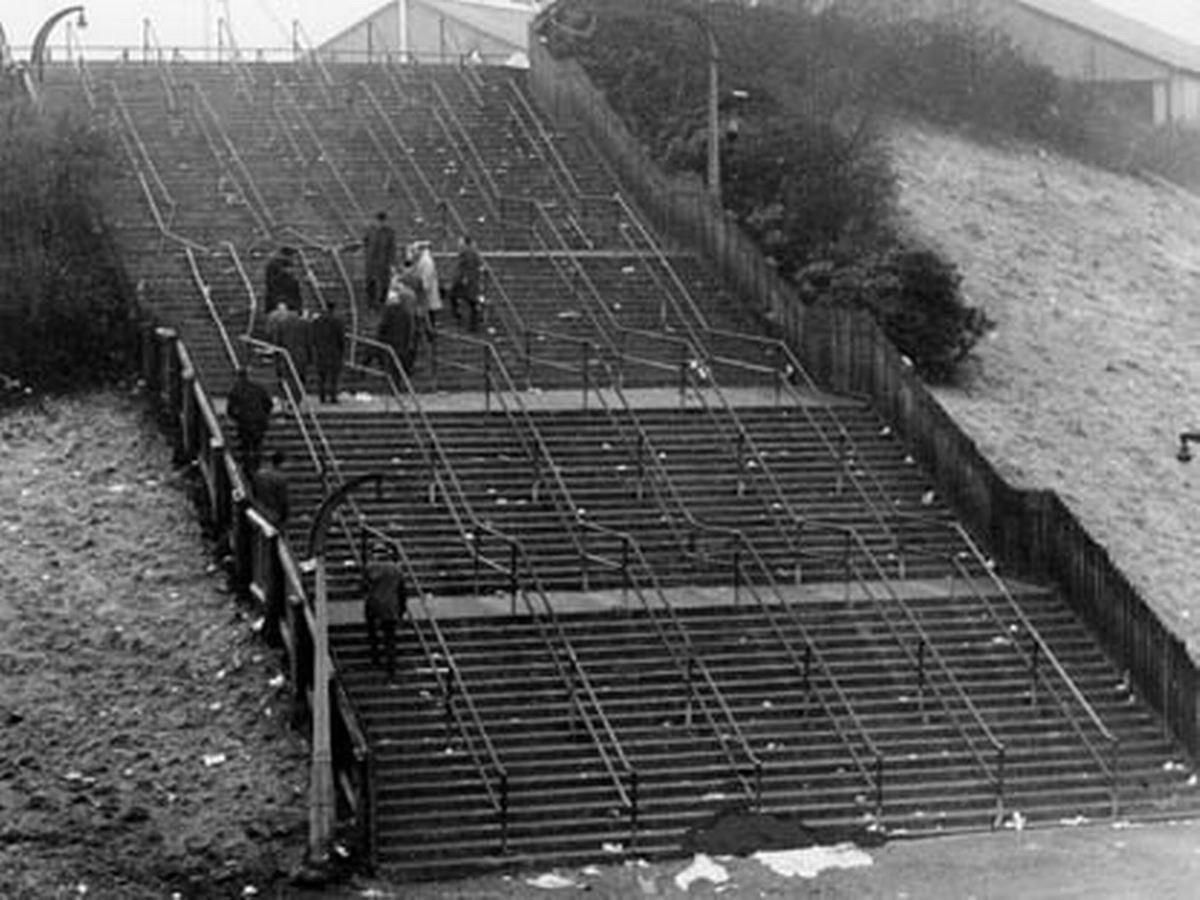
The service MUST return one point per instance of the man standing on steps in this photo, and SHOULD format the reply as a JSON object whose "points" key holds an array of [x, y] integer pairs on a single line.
{"points": [[282, 284], [468, 276], [249, 407], [379, 247], [329, 350], [271, 490], [386, 603]]}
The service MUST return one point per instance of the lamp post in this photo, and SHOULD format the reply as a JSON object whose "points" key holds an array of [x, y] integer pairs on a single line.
{"points": [[321, 799], [37, 54]]}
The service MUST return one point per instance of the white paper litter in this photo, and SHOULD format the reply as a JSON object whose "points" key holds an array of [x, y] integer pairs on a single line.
{"points": [[550, 882], [812, 861], [213, 759], [702, 869]]}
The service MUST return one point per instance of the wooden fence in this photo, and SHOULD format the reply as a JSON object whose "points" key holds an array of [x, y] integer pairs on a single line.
{"points": [[265, 573], [1031, 533]]}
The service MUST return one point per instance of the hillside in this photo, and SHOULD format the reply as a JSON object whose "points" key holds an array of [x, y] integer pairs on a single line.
{"points": [[1094, 368]]}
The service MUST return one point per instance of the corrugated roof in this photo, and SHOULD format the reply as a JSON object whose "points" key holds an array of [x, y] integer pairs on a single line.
{"points": [[1137, 36]]}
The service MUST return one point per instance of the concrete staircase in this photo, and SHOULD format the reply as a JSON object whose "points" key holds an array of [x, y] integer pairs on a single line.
{"points": [[658, 574]]}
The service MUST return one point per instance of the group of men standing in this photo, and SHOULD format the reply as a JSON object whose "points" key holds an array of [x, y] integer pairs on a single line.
{"points": [[406, 291]]}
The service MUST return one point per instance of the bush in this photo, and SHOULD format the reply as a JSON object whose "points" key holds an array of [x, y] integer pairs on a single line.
{"points": [[65, 319], [914, 295]]}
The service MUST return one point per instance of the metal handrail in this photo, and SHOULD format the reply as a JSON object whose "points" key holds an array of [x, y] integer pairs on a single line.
{"points": [[738, 539], [246, 283], [450, 488], [206, 293], [259, 208], [166, 76], [456, 689], [322, 154], [852, 540], [143, 157], [442, 111], [407, 153], [792, 368], [243, 79], [300, 39], [1040, 650], [560, 168], [692, 661]]}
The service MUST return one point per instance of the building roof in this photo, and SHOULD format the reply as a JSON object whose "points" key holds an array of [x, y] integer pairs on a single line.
{"points": [[1131, 34]]}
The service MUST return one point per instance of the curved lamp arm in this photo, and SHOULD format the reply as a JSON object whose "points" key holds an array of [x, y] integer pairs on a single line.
{"points": [[36, 55]]}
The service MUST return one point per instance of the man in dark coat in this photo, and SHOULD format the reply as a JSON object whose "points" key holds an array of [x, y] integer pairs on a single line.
{"points": [[328, 334], [290, 331], [398, 326], [282, 283], [386, 601], [249, 407], [379, 247], [468, 280], [271, 490]]}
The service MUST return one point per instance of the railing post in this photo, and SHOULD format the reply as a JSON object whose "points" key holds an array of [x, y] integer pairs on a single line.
{"points": [[691, 674], [921, 676], [1033, 672], [634, 809], [474, 537], [879, 787], [504, 813], [737, 576], [1001, 761], [514, 582], [586, 347]]}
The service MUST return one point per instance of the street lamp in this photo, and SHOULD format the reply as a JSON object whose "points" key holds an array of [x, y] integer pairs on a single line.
{"points": [[321, 798], [37, 54]]}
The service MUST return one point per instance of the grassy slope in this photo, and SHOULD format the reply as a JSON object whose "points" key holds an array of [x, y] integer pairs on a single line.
{"points": [[1094, 281]]}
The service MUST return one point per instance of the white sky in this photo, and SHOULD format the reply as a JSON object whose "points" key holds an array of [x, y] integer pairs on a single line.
{"points": [[267, 23]]}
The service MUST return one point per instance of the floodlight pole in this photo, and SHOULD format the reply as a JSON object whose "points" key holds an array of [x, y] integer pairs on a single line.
{"points": [[37, 55], [322, 807]]}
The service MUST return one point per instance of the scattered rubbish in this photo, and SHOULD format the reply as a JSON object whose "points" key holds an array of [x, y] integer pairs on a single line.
{"points": [[715, 795], [550, 881], [812, 861], [767, 704], [276, 682], [927, 498], [627, 270], [591, 871], [213, 759], [612, 847], [249, 891], [1074, 822], [1172, 766], [648, 886], [702, 868], [215, 706], [1016, 821]]}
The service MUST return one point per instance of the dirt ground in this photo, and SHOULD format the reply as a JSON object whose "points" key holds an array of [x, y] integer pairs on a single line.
{"points": [[144, 746], [144, 741]]}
